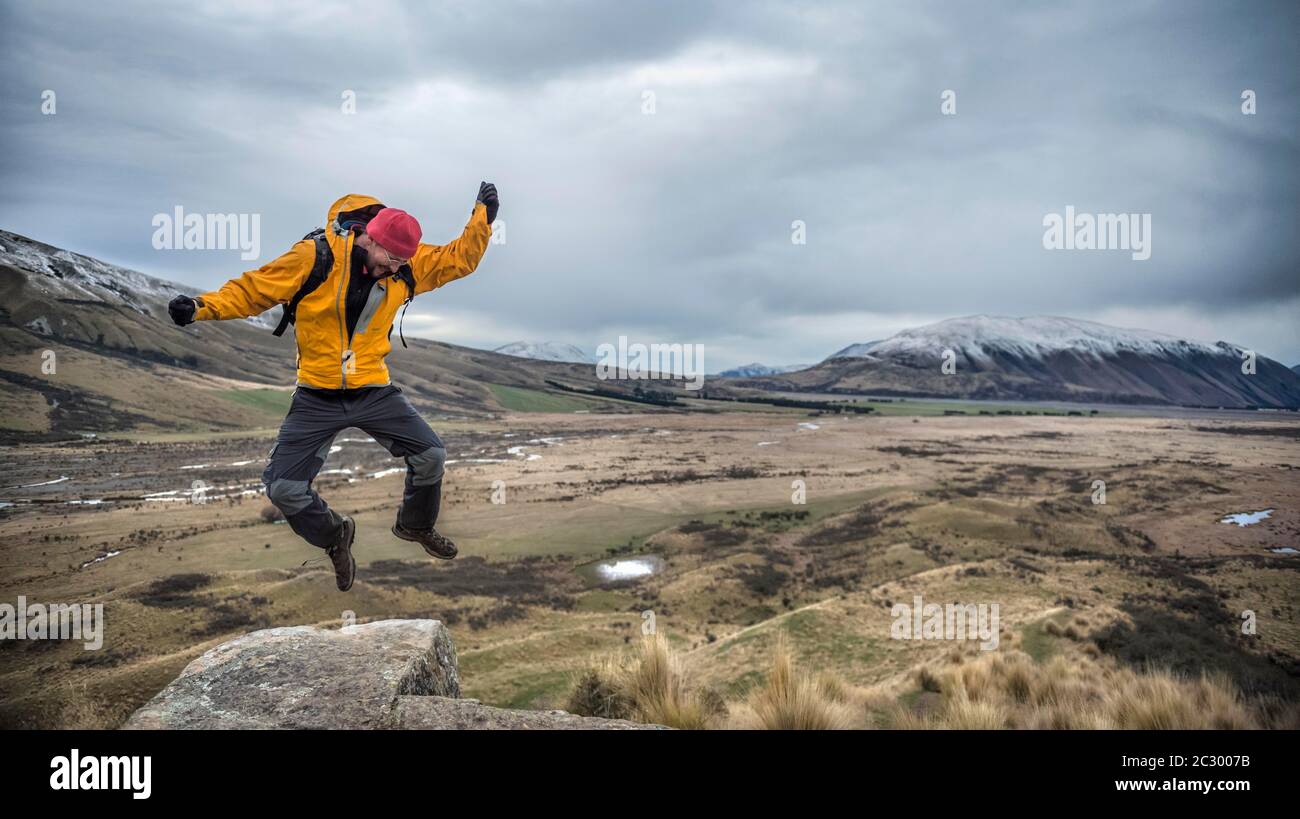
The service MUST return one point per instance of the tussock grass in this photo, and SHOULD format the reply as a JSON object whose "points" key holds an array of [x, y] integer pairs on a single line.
{"points": [[791, 700], [999, 690], [1010, 690], [648, 686]]}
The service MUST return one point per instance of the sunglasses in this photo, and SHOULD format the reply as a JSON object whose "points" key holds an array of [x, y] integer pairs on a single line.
{"points": [[389, 256]]}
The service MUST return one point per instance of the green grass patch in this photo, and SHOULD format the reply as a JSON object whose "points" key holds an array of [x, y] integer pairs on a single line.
{"points": [[821, 642], [929, 408], [786, 516], [522, 399], [267, 401], [1036, 642], [547, 689], [604, 600]]}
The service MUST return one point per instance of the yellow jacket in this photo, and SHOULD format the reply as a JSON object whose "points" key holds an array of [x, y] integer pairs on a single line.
{"points": [[326, 357]]}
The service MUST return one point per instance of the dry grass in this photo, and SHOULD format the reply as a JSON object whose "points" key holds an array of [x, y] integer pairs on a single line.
{"points": [[791, 700], [647, 687], [1010, 691], [1002, 690], [83, 712]]}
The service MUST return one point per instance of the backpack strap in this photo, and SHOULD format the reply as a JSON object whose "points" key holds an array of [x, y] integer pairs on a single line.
{"points": [[405, 275], [320, 271]]}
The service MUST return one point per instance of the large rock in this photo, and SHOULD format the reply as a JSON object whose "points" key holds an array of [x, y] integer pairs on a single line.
{"points": [[387, 674], [441, 713]]}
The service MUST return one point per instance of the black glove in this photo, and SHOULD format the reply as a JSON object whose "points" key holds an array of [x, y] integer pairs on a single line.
{"points": [[182, 310], [487, 194]]}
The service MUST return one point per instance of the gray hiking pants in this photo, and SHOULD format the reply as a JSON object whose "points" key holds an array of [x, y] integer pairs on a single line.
{"points": [[314, 418]]}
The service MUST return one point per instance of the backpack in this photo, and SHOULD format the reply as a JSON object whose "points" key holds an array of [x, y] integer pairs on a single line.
{"points": [[320, 271]]}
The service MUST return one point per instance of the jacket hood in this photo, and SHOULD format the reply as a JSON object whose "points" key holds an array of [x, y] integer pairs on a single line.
{"points": [[350, 203]]}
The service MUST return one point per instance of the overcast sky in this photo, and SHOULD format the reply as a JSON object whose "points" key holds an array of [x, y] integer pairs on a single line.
{"points": [[676, 225]]}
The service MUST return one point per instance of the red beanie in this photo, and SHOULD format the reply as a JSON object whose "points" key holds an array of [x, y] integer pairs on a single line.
{"points": [[396, 231]]}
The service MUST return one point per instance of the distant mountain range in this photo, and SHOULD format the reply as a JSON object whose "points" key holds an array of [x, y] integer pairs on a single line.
{"points": [[546, 351], [89, 347], [555, 351], [755, 369], [1045, 358]]}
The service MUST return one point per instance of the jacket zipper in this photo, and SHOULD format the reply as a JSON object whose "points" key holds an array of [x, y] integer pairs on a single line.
{"points": [[338, 308]]}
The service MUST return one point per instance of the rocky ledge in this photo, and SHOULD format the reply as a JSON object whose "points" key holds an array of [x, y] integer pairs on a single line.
{"points": [[387, 674]]}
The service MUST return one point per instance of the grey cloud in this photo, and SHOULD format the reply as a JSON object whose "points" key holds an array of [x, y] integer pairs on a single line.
{"points": [[678, 223]]}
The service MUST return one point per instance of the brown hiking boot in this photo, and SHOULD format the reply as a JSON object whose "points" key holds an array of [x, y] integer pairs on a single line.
{"points": [[434, 544], [345, 566]]}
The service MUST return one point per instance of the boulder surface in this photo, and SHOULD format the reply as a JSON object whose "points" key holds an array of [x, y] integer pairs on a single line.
{"points": [[386, 674]]}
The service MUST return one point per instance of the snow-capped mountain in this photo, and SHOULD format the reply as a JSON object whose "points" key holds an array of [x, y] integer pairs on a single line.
{"points": [[981, 338], [546, 351], [70, 298], [1048, 358], [853, 351], [71, 278], [751, 370]]}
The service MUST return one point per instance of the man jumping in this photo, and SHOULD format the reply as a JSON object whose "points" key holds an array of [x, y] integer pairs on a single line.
{"points": [[342, 287]]}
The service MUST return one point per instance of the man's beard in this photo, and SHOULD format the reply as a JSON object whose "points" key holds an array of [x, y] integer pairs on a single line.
{"points": [[372, 270]]}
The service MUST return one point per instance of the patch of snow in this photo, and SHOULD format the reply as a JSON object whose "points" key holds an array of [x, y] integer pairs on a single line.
{"points": [[546, 351], [41, 325], [59, 479], [1247, 518], [854, 350], [756, 370], [100, 559]]}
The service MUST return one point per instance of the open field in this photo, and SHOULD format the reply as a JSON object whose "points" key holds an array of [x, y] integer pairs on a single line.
{"points": [[969, 509]]}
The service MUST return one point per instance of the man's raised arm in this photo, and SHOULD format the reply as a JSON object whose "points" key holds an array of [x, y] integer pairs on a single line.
{"points": [[253, 293], [435, 265]]}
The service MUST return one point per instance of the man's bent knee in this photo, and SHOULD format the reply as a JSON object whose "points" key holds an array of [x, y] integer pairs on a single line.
{"points": [[428, 466], [290, 497]]}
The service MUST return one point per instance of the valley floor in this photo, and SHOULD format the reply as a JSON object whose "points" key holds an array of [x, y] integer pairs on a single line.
{"points": [[756, 524]]}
